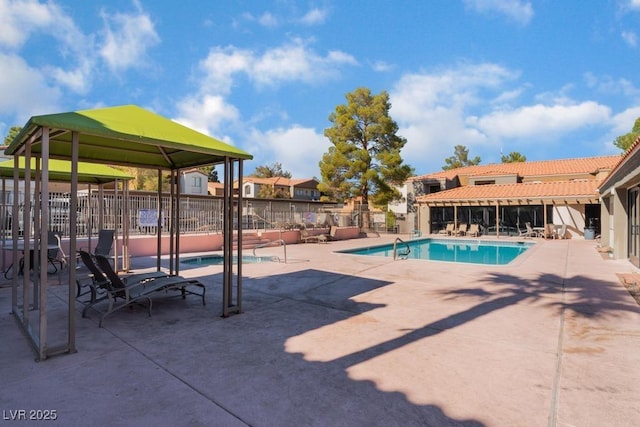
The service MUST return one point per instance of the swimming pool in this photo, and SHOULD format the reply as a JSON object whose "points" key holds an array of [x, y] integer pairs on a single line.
{"points": [[458, 250], [219, 259]]}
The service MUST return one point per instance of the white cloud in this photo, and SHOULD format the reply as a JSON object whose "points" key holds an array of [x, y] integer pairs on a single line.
{"points": [[381, 66], [127, 38], [206, 114], [473, 105], [538, 121], [630, 38], [24, 90], [290, 62], [298, 149], [19, 18], [314, 16], [610, 86], [634, 4], [295, 62], [267, 19], [417, 95], [623, 122], [516, 10]]}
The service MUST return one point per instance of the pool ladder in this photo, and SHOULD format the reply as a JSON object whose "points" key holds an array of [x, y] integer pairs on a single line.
{"points": [[400, 254], [271, 243]]}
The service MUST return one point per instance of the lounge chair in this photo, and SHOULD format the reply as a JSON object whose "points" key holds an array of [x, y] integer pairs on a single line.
{"points": [[332, 233], [121, 294], [306, 237], [100, 283], [462, 230], [562, 233], [448, 230], [529, 231], [474, 230], [549, 232], [105, 243]]}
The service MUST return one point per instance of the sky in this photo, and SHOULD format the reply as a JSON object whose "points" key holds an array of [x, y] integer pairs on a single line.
{"points": [[548, 79]]}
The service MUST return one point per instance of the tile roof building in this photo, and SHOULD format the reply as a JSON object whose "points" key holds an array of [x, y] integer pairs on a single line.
{"points": [[620, 203], [280, 187], [502, 198]]}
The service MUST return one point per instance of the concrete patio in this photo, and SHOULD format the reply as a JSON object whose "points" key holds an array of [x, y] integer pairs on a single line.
{"points": [[342, 340]]}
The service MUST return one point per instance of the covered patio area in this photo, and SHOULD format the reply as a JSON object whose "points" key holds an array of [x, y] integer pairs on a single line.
{"points": [[127, 136]]}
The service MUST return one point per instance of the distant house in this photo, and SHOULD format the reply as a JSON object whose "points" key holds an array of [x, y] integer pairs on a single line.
{"points": [[215, 188], [193, 182], [506, 196], [279, 187]]}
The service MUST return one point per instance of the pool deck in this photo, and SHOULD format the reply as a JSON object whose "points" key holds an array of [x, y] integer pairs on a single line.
{"points": [[345, 340]]}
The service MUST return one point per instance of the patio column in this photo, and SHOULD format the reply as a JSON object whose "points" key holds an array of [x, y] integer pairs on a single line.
{"points": [[497, 218], [455, 217]]}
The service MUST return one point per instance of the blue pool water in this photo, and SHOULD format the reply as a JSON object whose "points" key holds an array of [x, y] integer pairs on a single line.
{"points": [[466, 251], [219, 259]]}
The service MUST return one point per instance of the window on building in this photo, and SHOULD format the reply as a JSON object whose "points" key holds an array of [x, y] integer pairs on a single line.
{"points": [[196, 181], [247, 190]]}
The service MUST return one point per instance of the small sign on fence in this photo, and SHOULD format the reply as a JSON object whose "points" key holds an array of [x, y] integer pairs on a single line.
{"points": [[148, 218]]}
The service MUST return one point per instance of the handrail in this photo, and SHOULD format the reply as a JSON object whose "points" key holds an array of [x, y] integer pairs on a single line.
{"points": [[264, 245], [395, 248]]}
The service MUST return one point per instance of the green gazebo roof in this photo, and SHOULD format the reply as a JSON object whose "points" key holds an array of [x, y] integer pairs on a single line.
{"points": [[60, 170], [125, 135]]}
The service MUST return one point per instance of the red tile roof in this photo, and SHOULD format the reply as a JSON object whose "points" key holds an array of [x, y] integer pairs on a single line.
{"points": [[586, 165], [584, 189]]}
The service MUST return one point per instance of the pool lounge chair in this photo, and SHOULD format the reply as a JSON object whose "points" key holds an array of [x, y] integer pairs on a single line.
{"points": [[448, 230], [474, 230], [306, 237], [98, 286], [529, 231], [549, 232], [462, 230], [562, 233], [121, 294]]}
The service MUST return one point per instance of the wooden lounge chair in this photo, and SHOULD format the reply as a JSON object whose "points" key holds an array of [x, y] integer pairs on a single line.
{"points": [[462, 230], [121, 294], [474, 230], [448, 230]]}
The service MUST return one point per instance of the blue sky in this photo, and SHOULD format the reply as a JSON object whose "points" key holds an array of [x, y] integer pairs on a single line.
{"points": [[548, 79]]}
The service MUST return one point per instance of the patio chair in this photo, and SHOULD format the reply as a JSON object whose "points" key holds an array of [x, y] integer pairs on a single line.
{"points": [[332, 233], [55, 256], [121, 294], [529, 231], [99, 284], [562, 233], [306, 237], [105, 243], [462, 230], [474, 230], [448, 230], [549, 232]]}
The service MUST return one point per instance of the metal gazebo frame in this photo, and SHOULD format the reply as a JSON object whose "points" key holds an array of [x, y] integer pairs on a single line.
{"points": [[128, 136]]}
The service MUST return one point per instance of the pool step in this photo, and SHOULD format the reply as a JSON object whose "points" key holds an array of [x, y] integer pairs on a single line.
{"points": [[249, 240]]}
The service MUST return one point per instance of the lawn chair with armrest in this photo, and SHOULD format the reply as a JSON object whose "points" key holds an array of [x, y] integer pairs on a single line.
{"points": [[121, 294], [99, 285]]}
